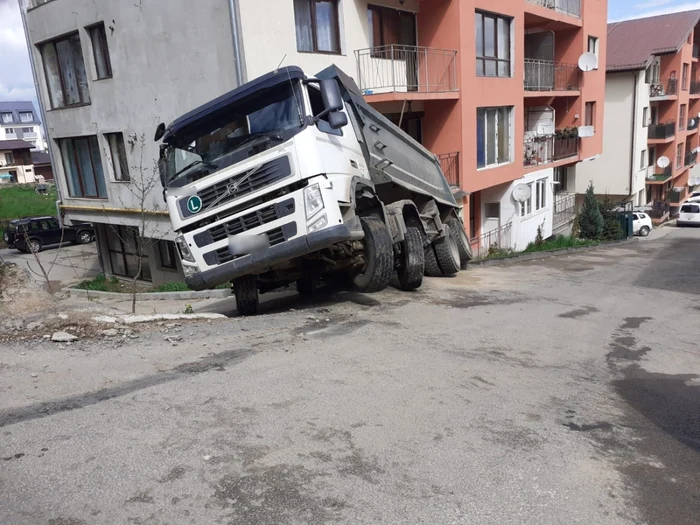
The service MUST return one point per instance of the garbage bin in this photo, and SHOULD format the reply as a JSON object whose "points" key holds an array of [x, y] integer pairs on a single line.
{"points": [[627, 225]]}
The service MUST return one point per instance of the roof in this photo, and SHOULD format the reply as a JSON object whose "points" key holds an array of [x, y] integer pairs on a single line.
{"points": [[6, 145], [632, 43], [15, 108], [40, 157]]}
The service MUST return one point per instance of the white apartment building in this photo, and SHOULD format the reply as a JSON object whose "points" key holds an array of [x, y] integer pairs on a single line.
{"points": [[20, 121]]}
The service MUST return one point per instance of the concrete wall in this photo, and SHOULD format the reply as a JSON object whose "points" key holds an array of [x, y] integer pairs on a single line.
{"points": [[623, 140]]}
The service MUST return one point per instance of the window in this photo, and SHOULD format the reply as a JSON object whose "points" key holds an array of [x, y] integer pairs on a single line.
{"points": [[317, 26], [540, 194], [590, 114], [117, 152], [27, 130], [493, 136], [560, 179], [124, 245], [679, 156], [9, 131], [593, 44], [390, 26], [643, 159], [492, 210], [526, 206], [7, 118], [166, 253], [492, 45], [9, 157], [645, 117], [684, 77], [681, 120], [83, 167], [100, 51], [26, 116], [65, 72]]}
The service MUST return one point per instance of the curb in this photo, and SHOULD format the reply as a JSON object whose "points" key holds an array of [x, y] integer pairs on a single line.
{"points": [[155, 296], [545, 255]]}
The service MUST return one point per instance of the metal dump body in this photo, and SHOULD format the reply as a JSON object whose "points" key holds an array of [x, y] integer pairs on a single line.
{"points": [[392, 156]]}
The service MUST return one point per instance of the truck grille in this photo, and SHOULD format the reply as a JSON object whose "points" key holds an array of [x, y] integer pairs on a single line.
{"points": [[244, 223], [269, 173], [275, 236]]}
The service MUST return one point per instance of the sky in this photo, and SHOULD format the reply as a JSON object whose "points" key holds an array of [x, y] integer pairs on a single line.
{"points": [[16, 81]]}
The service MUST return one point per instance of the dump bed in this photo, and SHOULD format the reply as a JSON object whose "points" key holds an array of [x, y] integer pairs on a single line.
{"points": [[392, 155]]}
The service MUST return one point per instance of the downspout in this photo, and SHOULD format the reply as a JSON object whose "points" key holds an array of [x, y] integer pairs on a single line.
{"points": [[236, 35], [633, 134], [56, 177]]}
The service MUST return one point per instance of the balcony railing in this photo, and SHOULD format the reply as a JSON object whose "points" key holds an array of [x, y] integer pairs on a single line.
{"points": [[547, 75], [659, 176], [492, 242], [568, 7], [546, 149], [694, 87], [691, 158], [662, 131], [392, 68], [449, 163], [564, 209], [663, 87]]}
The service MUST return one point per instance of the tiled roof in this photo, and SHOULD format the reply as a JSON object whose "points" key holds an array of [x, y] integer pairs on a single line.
{"points": [[15, 108], [40, 157], [6, 145], [632, 43]]}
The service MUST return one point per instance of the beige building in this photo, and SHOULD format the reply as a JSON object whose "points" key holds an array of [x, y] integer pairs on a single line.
{"points": [[16, 164]]}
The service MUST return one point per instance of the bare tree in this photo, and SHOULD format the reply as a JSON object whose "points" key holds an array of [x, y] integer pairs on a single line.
{"points": [[45, 273]]}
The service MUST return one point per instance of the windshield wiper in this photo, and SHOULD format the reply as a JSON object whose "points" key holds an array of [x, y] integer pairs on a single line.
{"points": [[192, 165]]}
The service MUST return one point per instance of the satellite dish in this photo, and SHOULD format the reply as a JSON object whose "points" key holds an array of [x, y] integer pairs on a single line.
{"points": [[587, 62], [691, 122], [663, 162], [698, 115], [521, 192]]}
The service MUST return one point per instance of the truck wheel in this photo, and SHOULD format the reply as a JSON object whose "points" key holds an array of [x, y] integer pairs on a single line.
{"points": [[432, 269], [447, 252], [246, 291], [378, 255], [306, 286], [465, 249], [410, 272]]}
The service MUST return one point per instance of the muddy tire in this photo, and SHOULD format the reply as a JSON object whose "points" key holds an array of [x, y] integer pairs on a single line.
{"points": [[378, 255], [432, 268], [644, 231], [447, 252], [246, 291], [465, 249], [410, 272]]}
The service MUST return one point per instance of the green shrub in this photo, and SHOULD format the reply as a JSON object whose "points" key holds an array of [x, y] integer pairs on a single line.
{"points": [[590, 220], [612, 230]]}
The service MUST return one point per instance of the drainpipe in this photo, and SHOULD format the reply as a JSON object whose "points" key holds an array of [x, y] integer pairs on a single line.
{"points": [[634, 129], [42, 111], [237, 55]]}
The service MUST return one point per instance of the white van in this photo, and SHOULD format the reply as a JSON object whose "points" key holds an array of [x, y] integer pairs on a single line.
{"points": [[689, 214]]}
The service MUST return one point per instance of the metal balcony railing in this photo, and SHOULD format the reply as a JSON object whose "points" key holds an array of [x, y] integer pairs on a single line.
{"points": [[546, 149], [491, 242], [449, 163], [659, 176], [662, 131], [568, 7], [691, 159], [397, 68], [695, 87], [547, 75], [564, 209], [663, 87]]}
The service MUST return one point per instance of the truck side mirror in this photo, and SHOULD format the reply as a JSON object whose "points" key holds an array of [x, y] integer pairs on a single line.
{"points": [[337, 119], [160, 131], [330, 92]]}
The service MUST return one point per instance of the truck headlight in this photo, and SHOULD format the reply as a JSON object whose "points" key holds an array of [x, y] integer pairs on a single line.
{"points": [[189, 270], [319, 223], [313, 200], [184, 249]]}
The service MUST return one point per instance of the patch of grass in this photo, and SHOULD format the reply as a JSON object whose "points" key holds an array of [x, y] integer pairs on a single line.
{"points": [[102, 283], [17, 201], [559, 243], [182, 287]]}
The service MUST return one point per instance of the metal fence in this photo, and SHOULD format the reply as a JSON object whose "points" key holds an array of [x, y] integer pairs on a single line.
{"points": [[564, 209], [663, 87], [547, 75], [662, 130], [691, 158], [548, 148], [491, 242], [406, 68], [569, 7], [449, 163]]}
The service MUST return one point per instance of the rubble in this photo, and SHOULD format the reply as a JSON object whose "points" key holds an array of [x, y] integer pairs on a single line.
{"points": [[110, 332], [63, 337]]}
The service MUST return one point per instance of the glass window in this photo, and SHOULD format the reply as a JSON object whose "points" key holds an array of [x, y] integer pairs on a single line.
{"points": [[65, 72], [117, 153], [492, 35], [317, 27], [83, 167], [7, 117], [681, 120], [492, 210], [540, 194], [124, 244], [9, 131], [166, 252], [493, 137], [390, 27], [9, 157], [590, 114], [645, 117], [26, 116], [643, 159], [100, 51], [526, 206]]}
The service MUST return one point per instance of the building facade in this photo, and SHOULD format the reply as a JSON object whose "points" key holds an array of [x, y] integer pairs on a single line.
{"points": [[491, 87], [16, 165], [20, 121], [652, 111]]}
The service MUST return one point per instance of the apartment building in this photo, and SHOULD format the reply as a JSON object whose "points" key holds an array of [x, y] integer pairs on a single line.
{"points": [[652, 111], [16, 164], [20, 121], [453, 74]]}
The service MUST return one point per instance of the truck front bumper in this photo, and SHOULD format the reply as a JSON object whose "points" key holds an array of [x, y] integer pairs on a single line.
{"points": [[261, 261]]}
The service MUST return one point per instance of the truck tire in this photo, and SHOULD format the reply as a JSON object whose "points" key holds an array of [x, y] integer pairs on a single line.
{"points": [[465, 249], [378, 256], [447, 252], [432, 268], [246, 291], [410, 272]]}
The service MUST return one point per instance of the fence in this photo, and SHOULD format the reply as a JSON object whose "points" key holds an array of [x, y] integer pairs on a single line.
{"points": [[549, 148], [546, 75], [449, 163], [663, 87], [491, 241], [406, 68], [569, 7], [662, 131], [564, 210]]}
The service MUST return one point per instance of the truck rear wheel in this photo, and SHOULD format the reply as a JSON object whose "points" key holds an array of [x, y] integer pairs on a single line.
{"points": [[378, 256], [246, 291], [447, 252], [410, 272], [465, 249], [432, 268]]}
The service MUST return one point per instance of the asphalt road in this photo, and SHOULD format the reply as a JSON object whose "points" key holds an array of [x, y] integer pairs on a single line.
{"points": [[554, 392]]}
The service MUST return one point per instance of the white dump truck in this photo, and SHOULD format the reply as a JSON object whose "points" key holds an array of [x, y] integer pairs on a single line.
{"points": [[295, 179]]}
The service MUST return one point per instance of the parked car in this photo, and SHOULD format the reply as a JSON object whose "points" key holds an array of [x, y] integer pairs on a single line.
{"points": [[35, 233], [689, 215], [641, 224]]}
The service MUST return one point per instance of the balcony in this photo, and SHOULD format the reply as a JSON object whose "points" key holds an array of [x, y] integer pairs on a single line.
{"points": [[564, 209], [662, 132], [418, 73], [695, 87], [449, 163], [658, 177], [548, 149], [690, 159], [566, 7], [547, 75], [663, 88], [692, 124]]}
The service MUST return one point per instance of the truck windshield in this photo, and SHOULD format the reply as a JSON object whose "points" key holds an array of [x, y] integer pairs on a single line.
{"points": [[233, 134]]}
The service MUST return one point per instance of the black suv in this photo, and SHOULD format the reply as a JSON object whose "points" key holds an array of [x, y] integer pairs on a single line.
{"points": [[35, 233]]}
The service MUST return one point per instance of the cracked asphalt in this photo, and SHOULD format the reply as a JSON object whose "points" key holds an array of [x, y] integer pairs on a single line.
{"points": [[557, 391]]}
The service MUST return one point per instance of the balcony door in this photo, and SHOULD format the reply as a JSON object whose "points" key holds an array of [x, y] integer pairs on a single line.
{"points": [[393, 37], [539, 61]]}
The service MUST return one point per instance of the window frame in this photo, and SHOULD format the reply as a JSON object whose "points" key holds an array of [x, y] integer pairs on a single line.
{"points": [[483, 59], [560, 175], [679, 156], [645, 117], [10, 131], [10, 158], [168, 247], [527, 210], [82, 100], [685, 71], [595, 41], [123, 166], [31, 116], [76, 161], [314, 28], [682, 116], [509, 112], [643, 159], [4, 114], [122, 235], [98, 30], [376, 13], [589, 114], [540, 186]]}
